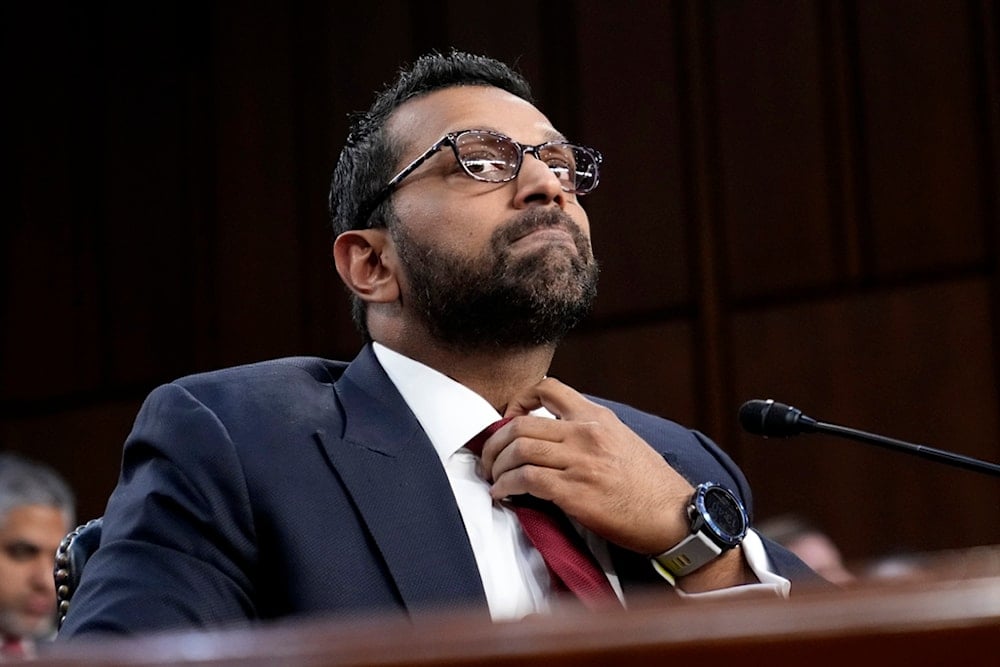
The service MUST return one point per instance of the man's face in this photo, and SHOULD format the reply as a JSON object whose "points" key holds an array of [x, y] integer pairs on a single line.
{"points": [[29, 537], [488, 264]]}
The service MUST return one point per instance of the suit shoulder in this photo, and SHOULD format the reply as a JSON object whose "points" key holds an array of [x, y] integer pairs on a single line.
{"points": [[693, 454], [250, 398], [289, 383], [285, 369], [639, 419]]}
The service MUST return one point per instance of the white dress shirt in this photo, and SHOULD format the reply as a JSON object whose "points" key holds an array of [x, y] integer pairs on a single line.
{"points": [[514, 575]]}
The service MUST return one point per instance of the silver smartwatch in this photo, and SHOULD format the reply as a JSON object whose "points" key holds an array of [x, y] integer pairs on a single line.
{"points": [[718, 523]]}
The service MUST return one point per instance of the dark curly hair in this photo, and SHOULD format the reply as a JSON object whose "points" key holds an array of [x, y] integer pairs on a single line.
{"points": [[369, 157]]}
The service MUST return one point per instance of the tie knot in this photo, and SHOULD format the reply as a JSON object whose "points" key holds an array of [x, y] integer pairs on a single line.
{"points": [[475, 445], [571, 565], [12, 646]]}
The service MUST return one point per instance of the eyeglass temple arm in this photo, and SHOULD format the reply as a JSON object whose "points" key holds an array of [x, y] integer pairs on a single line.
{"points": [[410, 168], [375, 201]]}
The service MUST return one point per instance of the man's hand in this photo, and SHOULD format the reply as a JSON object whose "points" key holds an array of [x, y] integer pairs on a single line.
{"points": [[598, 471], [591, 465]]}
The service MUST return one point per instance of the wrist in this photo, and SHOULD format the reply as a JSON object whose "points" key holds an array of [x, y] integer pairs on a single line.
{"points": [[728, 570], [717, 525]]}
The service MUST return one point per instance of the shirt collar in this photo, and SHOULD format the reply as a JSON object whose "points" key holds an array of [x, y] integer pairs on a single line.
{"points": [[449, 412]]}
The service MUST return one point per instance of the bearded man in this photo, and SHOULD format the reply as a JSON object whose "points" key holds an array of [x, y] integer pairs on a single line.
{"points": [[399, 481]]}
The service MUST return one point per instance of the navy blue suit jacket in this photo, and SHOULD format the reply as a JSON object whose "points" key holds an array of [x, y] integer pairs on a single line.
{"points": [[304, 486]]}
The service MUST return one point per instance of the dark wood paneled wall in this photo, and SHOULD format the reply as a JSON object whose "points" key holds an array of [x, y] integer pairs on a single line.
{"points": [[800, 201]]}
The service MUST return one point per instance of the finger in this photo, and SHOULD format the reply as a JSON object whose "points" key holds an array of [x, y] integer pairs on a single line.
{"points": [[522, 451], [528, 479], [560, 399], [523, 430]]}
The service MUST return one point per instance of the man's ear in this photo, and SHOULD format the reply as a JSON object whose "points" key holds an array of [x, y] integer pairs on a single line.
{"points": [[366, 263]]}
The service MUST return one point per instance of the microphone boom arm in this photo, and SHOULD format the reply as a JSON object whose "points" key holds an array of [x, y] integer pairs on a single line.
{"points": [[940, 455]]}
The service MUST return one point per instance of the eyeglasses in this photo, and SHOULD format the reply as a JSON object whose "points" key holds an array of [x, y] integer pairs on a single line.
{"points": [[495, 158]]}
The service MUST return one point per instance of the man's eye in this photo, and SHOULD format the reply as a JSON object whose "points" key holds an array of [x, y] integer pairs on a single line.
{"points": [[484, 165], [563, 171], [21, 551]]}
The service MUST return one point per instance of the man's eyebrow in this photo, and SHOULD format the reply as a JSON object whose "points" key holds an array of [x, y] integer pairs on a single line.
{"points": [[20, 546], [548, 135]]}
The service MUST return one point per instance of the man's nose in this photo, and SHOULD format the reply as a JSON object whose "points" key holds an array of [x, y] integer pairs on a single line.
{"points": [[41, 575], [537, 184]]}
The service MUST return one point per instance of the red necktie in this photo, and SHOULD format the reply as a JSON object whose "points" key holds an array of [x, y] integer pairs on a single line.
{"points": [[12, 647], [571, 565]]}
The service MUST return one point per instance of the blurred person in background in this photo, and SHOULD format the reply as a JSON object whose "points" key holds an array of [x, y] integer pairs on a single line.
{"points": [[37, 509], [810, 543]]}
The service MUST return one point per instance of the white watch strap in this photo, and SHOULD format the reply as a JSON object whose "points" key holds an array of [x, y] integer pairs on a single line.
{"points": [[694, 551]]}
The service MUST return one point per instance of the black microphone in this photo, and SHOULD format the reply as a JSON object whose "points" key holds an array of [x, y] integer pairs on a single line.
{"points": [[769, 418]]}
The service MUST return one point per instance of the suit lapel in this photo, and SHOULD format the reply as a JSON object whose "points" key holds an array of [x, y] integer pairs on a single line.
{"points": [[396, 480]]}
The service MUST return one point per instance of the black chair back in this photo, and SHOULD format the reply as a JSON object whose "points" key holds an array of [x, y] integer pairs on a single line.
{"points": [[73, 552]]}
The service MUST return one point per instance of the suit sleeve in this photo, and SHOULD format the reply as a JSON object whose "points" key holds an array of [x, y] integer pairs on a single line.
{"points": [[699, 459], [177, 548], [783, 562]]}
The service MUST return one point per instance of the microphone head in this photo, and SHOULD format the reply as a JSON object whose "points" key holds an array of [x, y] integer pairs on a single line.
{"points": [[771, 419]]}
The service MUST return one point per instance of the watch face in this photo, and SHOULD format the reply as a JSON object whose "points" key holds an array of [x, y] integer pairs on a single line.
{"points": [[723, 513]]}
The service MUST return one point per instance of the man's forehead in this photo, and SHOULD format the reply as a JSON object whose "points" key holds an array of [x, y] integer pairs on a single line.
{"points": [[36, 522], [426, 118]]}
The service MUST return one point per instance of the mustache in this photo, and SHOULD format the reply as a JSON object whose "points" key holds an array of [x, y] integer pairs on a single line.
{"points": [[531, 221]]}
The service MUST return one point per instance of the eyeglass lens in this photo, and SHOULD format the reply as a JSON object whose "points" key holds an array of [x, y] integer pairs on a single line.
{"points": [[496, 159]]}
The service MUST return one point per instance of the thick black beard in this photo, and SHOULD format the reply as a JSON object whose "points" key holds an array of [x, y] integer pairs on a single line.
{"points": [[498, 301]]}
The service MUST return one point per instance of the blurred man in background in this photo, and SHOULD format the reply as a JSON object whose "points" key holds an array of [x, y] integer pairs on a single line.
{"points": [[37, 509], [810, 543]]}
